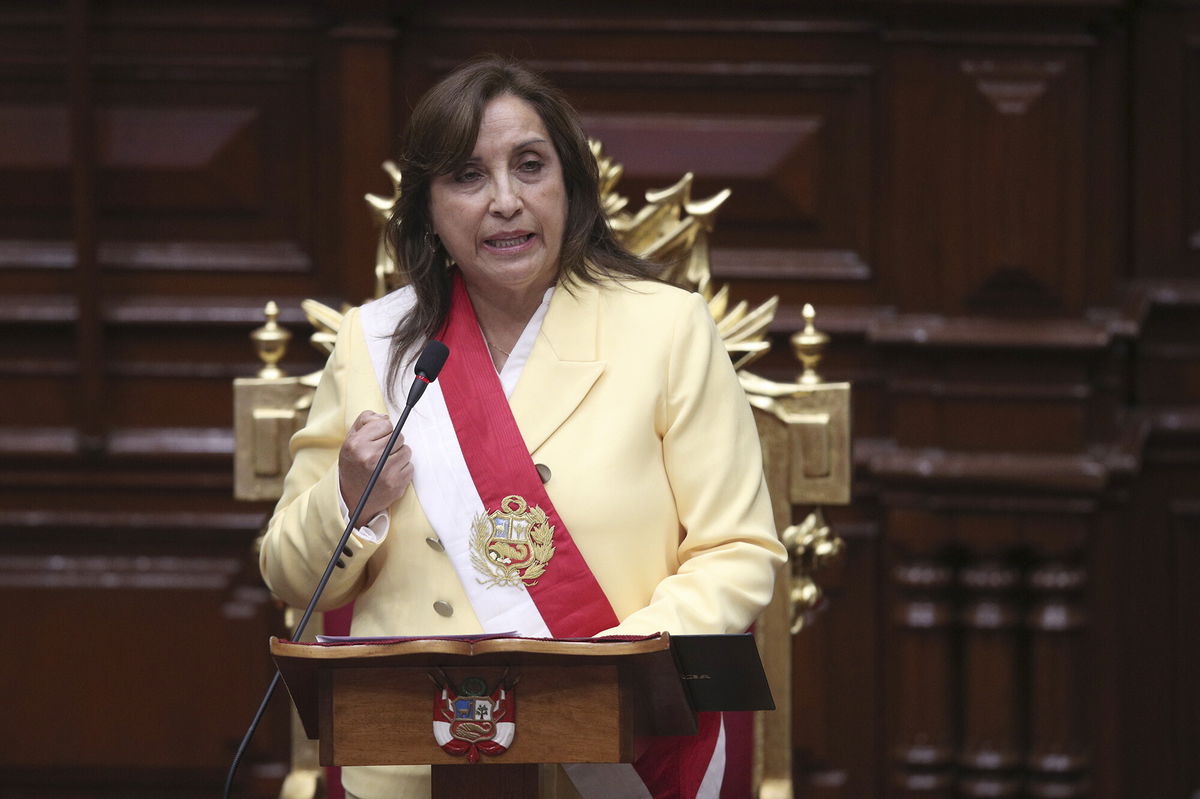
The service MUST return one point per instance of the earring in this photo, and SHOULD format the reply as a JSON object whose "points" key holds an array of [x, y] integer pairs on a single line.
{"points": [[431, 241]]}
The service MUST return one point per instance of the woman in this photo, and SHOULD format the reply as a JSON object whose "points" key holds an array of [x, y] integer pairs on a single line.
{"points": [[586, 464]]}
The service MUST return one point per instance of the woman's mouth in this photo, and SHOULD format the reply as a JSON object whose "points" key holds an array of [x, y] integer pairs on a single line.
{"points": [[510, 243]]}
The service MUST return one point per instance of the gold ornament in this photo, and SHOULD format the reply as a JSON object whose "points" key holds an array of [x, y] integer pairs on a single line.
{"points": [[512, 545]]}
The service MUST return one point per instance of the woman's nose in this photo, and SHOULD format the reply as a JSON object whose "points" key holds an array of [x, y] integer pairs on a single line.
{"points": [[506, 197]]}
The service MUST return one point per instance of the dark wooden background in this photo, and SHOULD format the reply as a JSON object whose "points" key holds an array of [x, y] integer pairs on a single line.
{"points": [[995, 207]]}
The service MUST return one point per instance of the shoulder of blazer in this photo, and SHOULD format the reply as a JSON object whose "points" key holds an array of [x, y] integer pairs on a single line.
{"points": [[579, 309]]}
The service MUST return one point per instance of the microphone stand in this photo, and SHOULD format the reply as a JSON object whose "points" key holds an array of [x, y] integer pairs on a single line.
{"points": [[414, 394]]}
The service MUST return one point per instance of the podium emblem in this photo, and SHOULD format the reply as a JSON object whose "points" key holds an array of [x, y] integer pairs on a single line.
{"points": [[470, 720], [512, 545]]}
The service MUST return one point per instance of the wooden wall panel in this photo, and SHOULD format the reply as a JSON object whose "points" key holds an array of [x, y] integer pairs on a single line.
{"points": [[1185, 554], [35, 184], [1167, 178], [837, 674], [74, 604], [989, 201], [158, 182], [214, 149]]}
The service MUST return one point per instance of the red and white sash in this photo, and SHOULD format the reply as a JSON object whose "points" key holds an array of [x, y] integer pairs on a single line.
{"points": [[566, 595], [468, 455]]}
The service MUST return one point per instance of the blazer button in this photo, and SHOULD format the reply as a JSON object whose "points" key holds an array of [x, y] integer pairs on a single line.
{"points": [[443, 608], [435, 544], [543, 472]]}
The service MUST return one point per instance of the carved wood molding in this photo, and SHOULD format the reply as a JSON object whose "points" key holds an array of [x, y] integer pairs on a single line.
{"points": [[792, 265], [757, 23], [221, 256], [1090, 473], [259, 17], [38, 309], [994, 38], [1012, 85], [118, 572], [67, 521], [989, 333], [195, 68], [1051, 471], [1007, 390], [706, 74], [989, 616], [885, 325], [1167, 292], [238, 311], [30, 254], [174, 443]]}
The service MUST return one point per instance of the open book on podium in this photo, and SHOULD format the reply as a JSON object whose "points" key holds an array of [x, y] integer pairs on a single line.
{"points": [[509, 700]]}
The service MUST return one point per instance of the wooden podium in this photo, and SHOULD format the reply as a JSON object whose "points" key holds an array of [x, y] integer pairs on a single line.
{"points": [[577, 701]]}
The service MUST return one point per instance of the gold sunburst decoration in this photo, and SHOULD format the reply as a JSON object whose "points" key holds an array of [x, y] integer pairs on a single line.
{"points": [[387, 276], [672, 229]]}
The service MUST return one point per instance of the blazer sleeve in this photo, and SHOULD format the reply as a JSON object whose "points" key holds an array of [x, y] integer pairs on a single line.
{"points": [[307, 522], [729, 550]]}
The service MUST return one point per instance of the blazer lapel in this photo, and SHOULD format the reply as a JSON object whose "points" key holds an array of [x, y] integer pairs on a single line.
{"points": [[563, 366]]}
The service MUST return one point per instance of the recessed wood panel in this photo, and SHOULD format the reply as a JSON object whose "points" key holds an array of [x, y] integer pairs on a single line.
{"points": [[41, 394], [797, 159], [181, 159], [1167, 143], [836, 691], [120, 636], [35, 180], [1191, 141], [987, 179], [232, 161], [997, 425], [1186, 554]]}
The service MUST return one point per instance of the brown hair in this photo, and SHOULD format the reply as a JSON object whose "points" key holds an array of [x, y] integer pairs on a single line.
{"points": [[440, 137]]}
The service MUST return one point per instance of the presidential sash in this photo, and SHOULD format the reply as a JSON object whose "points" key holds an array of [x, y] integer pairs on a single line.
{"points": [[520, 540]]}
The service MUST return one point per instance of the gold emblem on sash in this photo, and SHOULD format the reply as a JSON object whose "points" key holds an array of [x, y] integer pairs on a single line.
{"points": [[512, 545]]}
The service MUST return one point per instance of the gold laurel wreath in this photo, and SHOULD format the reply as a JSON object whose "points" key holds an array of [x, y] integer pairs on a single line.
{"points": [[541, 536]]}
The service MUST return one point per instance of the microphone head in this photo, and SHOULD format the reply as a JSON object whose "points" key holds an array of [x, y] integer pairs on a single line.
{"points": [[432, 359]]}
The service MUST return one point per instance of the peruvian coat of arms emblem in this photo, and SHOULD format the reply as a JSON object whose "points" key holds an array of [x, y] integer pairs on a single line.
{"points": [[471, 720], [512, 545]]}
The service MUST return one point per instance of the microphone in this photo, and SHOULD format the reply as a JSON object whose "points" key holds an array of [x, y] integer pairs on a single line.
{"points": [[428, 367]]}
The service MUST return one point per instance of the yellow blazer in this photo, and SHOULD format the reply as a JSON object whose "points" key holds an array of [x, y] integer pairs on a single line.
{"points": [[630, 400]]}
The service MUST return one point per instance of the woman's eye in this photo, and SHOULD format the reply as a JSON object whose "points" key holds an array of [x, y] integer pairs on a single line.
{"points": [[468, 176], [532, 165]]}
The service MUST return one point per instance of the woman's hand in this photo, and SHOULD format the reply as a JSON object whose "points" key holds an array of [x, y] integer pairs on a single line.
{"points": [[356, 461]]}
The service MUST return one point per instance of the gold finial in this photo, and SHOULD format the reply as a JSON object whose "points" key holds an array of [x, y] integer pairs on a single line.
{"points": [[271, 342], [809, 345]]}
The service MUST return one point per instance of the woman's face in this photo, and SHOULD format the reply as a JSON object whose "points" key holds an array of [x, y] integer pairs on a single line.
{"points": [[501, 215]]}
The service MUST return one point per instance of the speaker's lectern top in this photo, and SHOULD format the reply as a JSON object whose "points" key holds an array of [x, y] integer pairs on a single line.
{"points": [[376, 701]]}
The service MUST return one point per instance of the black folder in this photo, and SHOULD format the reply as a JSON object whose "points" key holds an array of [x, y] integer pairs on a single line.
{"points": [[722, 672]]}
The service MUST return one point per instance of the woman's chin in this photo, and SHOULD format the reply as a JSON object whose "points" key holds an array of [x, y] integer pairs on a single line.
{"points": [[511, 275]]}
